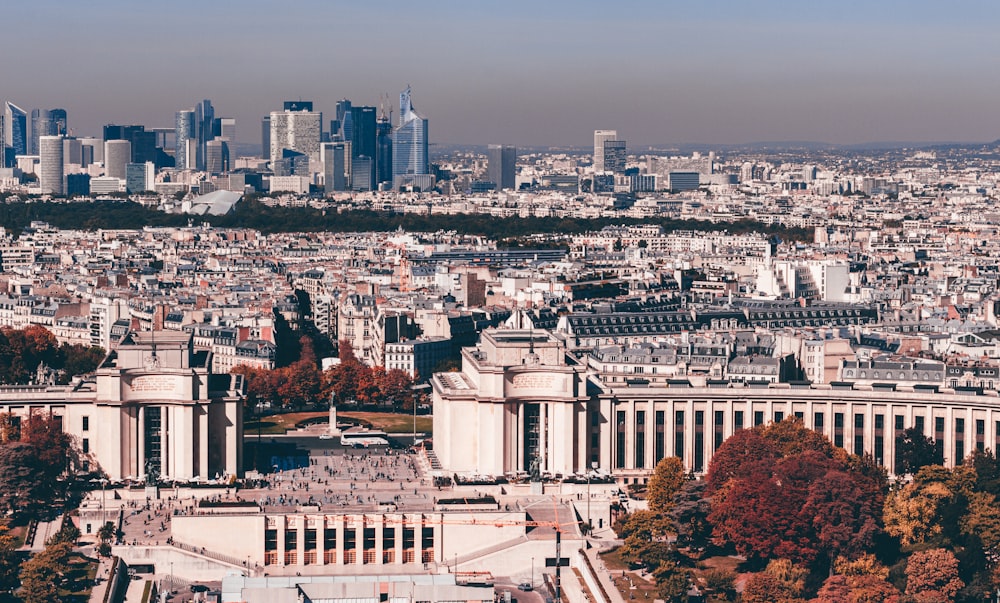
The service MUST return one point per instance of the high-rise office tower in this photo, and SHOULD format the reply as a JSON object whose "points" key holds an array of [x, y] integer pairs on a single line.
{"points": [[96, 152], [140, 177], [42, 124], [15, 128], [143, 142], [334, 159], [501, 165], [363, 132], [59, 119], [72, 151], [296, 130], [383, 150], [345, 129], [362, 173], [265, 137], [614, 156], [204, 127], [224, 127], [409, 146], [185, 129], [599, 137], [363, 143], [50, 164], [117, 156], [216, 156]]}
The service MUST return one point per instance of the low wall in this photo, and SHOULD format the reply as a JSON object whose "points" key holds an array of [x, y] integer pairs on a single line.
{"points": [[185, 565]]}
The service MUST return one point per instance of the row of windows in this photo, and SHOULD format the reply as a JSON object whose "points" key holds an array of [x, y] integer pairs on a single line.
{"points": [[818, 420]]}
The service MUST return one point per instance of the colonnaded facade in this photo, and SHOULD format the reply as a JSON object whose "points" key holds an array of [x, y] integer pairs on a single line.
{"points": [[348, 540], [523, 395], [153, 407]]}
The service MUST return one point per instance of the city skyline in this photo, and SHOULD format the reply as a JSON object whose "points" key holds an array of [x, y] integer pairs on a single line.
{"points": [[533, 75]]}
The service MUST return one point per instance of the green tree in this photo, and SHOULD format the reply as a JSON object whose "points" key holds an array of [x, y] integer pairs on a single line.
{"points": [[792, 576], [10, 562], [982, 521], [721, 583], [665, 483], [45, 573], [671, 581], [763, 587], [689, 514], [24, 487], [645, 543], [914, 451], [79, 359]]}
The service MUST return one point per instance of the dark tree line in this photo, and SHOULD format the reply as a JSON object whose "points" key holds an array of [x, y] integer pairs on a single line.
{"points": [[23, 350], [16, 216]]}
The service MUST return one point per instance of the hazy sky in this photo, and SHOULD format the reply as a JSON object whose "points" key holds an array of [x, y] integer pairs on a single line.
{"points": [[544, 72]]}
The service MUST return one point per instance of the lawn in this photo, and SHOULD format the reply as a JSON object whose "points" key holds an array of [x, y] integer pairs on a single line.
{"points": [[644, 587], [385, 421], [629, 583], [79, 578]]}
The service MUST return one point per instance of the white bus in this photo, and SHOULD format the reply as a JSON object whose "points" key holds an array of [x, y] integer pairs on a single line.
{"points": [[364, 439]]}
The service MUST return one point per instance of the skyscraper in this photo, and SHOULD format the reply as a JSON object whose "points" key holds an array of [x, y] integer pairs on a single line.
{"points": [[140, 177], [614, 156], [59, 119], [117, 156], [15, 133], [599, 137], [501, 166], [265, 136], [345, 122], [383, 150], [296, 130], [205, 132], [225, 127], [50, 164], [143, 142], [72, 151], [216, 156], [409, 147], [42, 124], [335, 166], [184, 126], [363, 144]]}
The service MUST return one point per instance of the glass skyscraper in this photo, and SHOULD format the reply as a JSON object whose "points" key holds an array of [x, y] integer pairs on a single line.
{"points": [[409, 148], [500, 169], [15, 131], [184, 127], [383, 150]]}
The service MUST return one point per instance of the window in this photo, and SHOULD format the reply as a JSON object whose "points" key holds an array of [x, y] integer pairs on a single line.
{"points": [[86, 423], [640, 439], [86, 445]]}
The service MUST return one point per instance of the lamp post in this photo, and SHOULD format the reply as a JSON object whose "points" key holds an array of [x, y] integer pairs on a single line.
{"points": [[416, 396], [590, 522], [533, 572], [104, 518]]}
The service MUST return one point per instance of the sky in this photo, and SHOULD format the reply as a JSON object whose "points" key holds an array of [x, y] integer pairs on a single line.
{"points": [[528, 73]]}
